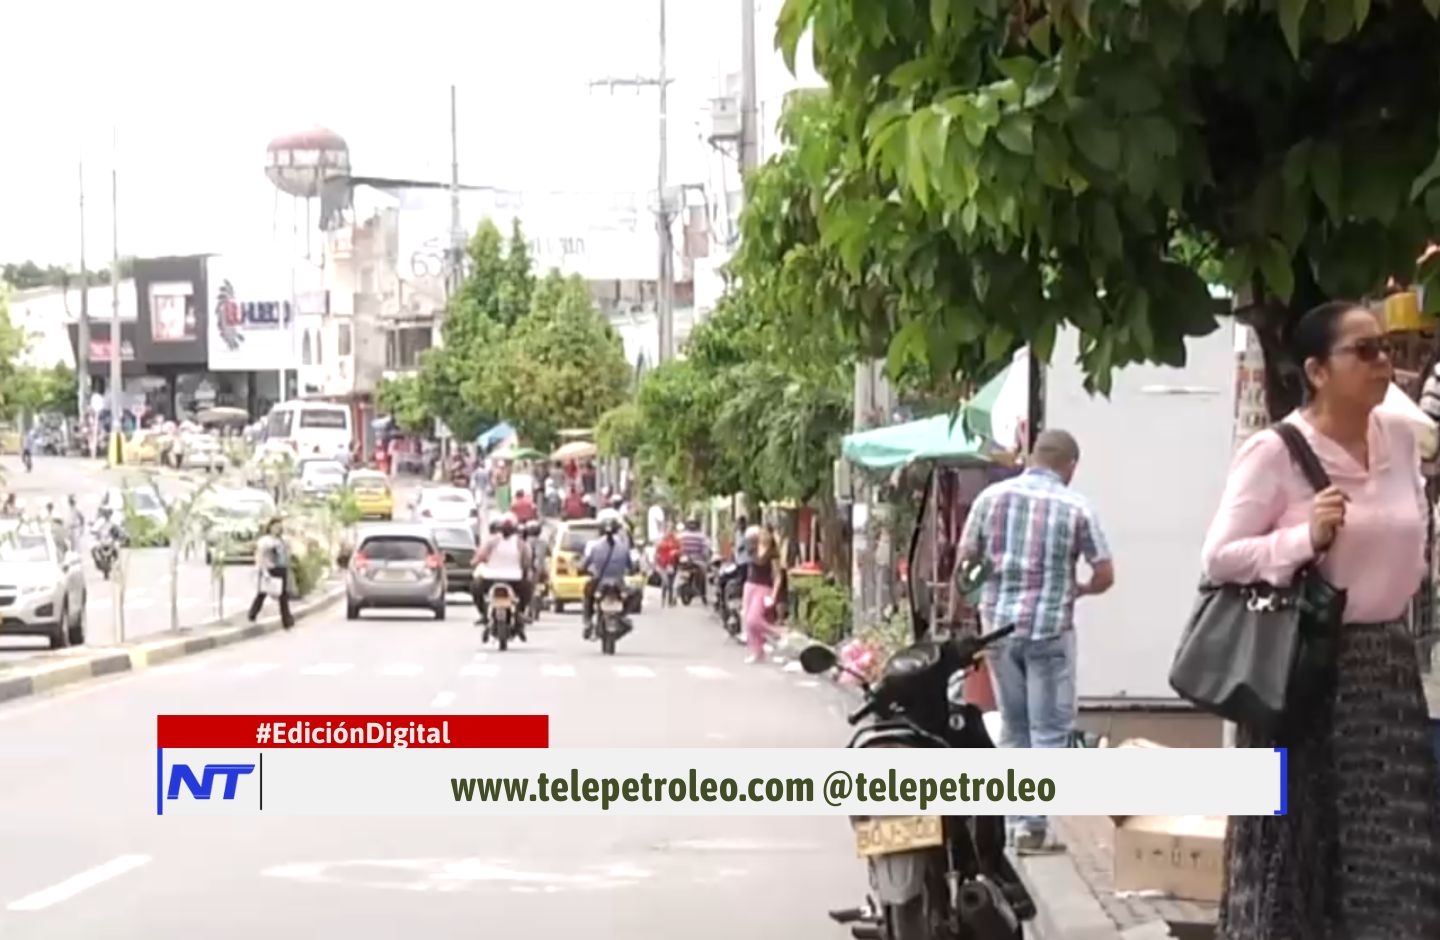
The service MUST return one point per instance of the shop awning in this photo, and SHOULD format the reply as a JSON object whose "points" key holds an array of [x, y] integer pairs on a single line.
{"points": [[942, 437], [500, 432]]}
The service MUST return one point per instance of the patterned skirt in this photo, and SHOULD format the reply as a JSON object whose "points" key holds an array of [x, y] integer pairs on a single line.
{"points": [[1358, 855]]}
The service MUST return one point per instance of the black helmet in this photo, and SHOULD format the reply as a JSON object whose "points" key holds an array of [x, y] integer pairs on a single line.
{"points": [[610, 527], [494, 526], [693, 524]]}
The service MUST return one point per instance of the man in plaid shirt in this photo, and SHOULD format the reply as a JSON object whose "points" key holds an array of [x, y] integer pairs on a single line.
{"points": [[1031, 530]]}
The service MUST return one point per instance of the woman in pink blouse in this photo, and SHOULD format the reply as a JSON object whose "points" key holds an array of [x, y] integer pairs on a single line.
{"points": [[1358, 854]]}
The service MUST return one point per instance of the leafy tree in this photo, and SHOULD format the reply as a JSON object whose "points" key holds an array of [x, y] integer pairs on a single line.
{"points": [[562, 365], [403, 400], [997, 168], [621, 431], [26, 388], [495, 293], [12, 347]]}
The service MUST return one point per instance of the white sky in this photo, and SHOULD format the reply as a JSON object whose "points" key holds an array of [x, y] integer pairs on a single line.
{"points": [[195, 91]]}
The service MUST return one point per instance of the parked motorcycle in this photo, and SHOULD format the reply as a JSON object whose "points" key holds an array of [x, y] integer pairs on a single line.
{"points": [[730, 593], [611, 620], [691, 579], [931, 877], [502, 611]]}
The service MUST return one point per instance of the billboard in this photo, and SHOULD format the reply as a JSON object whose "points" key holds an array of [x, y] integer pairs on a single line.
{"points": [[252, 314], [173, 316]]}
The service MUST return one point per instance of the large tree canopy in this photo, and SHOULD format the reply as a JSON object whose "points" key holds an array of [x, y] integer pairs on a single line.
{"points": [[561, 365], [992, 169]]}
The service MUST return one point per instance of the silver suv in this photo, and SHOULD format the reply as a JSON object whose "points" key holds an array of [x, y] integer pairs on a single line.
{"points": [[395, 565], [42, 583]]}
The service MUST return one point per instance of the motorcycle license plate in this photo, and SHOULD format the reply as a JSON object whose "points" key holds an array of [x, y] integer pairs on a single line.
{"points": [[884, 835], [612, 606]]}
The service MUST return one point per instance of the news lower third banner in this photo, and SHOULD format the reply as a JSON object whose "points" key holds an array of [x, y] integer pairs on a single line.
{"points": [[502, 765]]}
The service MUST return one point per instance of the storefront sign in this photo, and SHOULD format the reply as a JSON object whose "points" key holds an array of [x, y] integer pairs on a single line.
{"points": [[252, 315], [100, 350]]}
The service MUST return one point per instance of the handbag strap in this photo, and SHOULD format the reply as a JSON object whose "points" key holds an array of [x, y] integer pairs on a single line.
{"points": [[1303, 455]]}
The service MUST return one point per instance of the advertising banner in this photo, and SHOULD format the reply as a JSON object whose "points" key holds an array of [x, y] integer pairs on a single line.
{"points": [[252, 314], [173, 316]]}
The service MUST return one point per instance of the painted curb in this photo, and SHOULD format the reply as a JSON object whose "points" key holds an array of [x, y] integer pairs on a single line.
{"points": [[143, 654]]}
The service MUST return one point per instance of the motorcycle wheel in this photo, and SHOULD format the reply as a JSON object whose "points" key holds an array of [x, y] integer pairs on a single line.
{"points": [[607, 644], [502, 635], [686, 597]]}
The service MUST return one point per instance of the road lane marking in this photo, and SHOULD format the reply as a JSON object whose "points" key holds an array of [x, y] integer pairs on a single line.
{"points": [[327, 669], [63, 891], [484, 670], [707, 672], [402, 670], [634, 672], [443, 700], [553, 671], [255, 669], [179, 668]]}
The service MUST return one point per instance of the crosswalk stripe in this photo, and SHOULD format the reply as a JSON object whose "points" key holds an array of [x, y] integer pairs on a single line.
{"points": [[402, 669], [707, 672], [634, 672], [557, 672], [484, 670], [255, 669], [327, 669]]}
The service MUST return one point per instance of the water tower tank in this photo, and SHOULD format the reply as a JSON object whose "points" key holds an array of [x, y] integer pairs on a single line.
{"points": [[299, 163]]}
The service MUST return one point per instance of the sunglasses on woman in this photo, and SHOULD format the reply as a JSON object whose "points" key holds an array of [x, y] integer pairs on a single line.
{"points": [[1368, 349]]}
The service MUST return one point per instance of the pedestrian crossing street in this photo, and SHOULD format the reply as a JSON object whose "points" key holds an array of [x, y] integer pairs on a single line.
{"points": [[485, 666]]}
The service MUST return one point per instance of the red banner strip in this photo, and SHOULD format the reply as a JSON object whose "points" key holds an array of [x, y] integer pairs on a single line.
{"points": [[393, 731]]}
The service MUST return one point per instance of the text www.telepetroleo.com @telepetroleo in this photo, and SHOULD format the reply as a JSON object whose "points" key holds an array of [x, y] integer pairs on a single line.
{"points": [[389, 765]]}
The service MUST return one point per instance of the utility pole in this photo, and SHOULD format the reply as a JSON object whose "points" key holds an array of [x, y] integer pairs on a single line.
{"points": [[456, 273], [82, 346], [749, 121], [117, 454], [664, 211]]}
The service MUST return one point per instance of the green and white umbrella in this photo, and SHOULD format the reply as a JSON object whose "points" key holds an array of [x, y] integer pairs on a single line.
{"points": [[998, 411]]}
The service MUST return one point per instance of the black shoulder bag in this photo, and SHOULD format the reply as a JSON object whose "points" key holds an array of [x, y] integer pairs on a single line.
{"points": [[1251, 653]]}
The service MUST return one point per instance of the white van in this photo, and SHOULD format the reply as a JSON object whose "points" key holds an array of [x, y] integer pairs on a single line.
{"points": [[312, 429]]}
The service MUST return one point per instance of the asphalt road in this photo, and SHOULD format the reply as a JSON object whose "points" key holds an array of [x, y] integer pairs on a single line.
{"points": [[86, 856], [147, 577]]}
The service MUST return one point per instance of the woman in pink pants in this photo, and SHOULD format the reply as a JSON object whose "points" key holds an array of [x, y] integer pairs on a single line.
{"points": [[762, 579]]}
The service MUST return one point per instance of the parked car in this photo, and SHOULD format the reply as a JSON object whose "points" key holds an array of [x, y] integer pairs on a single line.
{"points": [[42, 584], [395, 565], [446, 504], [233, 519], [567, 582], [373, 496], [458, 543], [144, 501]]}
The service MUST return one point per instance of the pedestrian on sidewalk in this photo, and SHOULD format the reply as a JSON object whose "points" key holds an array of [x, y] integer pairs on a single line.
{"points": [[76, 524], [272, 573], [763, 582], [1358, 852], [1031, 530]]}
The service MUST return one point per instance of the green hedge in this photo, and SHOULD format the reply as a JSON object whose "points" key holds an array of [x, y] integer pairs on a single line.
{"points": [[822, 609]]}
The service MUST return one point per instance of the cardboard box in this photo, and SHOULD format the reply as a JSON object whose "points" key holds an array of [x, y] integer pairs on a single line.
{"points": [[1182, 856]]}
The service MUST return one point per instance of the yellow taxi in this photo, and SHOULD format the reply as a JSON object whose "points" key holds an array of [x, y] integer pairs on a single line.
{"points": [[567, 582], [372, 493], [143, 447]]}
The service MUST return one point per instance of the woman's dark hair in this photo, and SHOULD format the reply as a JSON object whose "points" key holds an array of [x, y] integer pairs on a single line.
{"points": [[1314, 334]]}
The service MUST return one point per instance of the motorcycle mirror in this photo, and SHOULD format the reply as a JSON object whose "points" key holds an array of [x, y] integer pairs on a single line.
{"points": [[818, 659]]}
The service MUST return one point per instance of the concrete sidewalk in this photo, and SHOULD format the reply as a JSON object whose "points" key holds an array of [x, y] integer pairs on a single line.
{"points": [[78, 664]]}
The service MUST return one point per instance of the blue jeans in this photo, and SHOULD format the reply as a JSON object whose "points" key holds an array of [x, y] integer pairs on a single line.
{"points": [[1035, 689]]}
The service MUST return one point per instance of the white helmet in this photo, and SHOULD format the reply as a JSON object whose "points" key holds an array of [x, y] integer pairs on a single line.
{"points": [[609, 515]]}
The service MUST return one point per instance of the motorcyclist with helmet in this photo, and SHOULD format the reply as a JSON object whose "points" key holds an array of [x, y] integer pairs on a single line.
{"points": [[504, 558], [534, 533], [606, 559]]}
